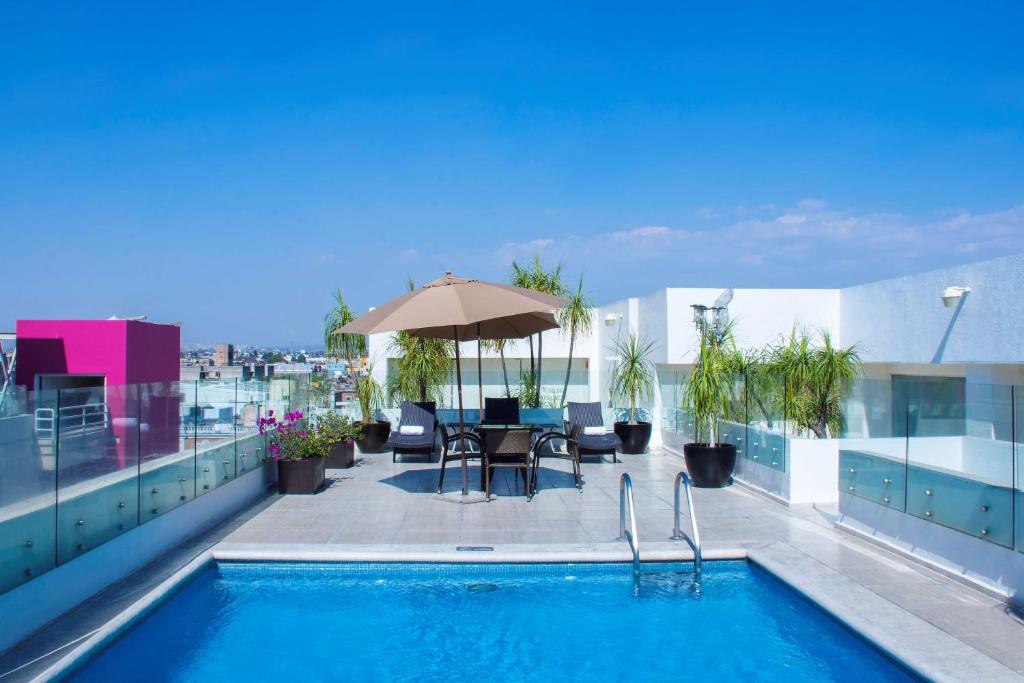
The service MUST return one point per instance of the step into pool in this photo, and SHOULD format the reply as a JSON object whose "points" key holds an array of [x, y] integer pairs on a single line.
{"points": [[470, 622]]}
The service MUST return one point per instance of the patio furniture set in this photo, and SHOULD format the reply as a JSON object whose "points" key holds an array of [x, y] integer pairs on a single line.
{"points": [[501, 440]]}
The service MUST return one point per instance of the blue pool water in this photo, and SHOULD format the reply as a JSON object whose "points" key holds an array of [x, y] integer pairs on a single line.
{"points": [[327, 622]]}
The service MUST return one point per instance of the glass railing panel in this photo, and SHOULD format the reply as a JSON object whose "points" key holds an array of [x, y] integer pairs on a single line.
{"points": [[298, 393], [960, 457], [28, 485], [872, 454], [97, 466], [1018, 446], [278, 397], [321, 392], [215, 434], [766, 422], [251, 399], [167, 446]]}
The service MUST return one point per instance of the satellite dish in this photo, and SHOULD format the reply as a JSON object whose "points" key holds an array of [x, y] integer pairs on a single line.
{"points": [[723, 299]]}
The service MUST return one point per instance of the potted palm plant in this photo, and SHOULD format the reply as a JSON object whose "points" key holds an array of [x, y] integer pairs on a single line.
{"points": [[632, 380], [374, 433], [299, 450], [708, 396], [340, 434]]}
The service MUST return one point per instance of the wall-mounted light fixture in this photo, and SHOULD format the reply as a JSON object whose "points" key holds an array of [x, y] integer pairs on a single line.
{"points": [[612, 319], [951, 295]]}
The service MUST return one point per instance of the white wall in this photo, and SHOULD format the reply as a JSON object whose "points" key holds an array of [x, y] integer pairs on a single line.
{"points": [[903, 320]]}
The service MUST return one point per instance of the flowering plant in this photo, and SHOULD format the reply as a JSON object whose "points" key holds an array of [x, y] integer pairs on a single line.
{"points": [[294, 438], [335, 428]]}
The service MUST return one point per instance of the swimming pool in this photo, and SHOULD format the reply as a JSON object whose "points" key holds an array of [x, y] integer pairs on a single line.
{"points": [[356, 621]]}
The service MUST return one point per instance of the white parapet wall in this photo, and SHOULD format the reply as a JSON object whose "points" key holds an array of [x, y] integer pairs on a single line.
{"points": [[811, 473], [30, 606]]}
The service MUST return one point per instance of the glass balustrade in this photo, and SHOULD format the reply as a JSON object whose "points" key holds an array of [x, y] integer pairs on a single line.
{"points": [[84, 465]]}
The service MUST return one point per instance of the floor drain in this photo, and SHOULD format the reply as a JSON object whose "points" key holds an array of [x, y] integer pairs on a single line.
{"points": [[482, 587]]}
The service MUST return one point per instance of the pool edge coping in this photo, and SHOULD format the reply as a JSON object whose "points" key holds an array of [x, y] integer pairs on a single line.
{"points": [[871, 632]]}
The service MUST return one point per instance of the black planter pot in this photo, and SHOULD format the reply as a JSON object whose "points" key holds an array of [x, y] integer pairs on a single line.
{"points": [[375, 436], [634, 438], [342, 455], [710, 466], [300, 476]]}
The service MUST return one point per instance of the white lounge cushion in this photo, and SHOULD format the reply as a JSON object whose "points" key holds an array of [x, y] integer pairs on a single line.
{"points": [[594, 431], [411, 430]]}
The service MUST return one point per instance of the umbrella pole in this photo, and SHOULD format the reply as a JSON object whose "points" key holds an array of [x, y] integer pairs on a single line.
{"points": [[479, 371], [462, 417]]}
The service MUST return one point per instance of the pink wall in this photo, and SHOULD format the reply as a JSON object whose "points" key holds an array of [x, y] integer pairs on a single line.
{"points": [[124, 352]]}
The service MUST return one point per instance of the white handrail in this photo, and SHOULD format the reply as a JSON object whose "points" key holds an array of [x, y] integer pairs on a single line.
{"points": [[630, 535], [677, 533]]}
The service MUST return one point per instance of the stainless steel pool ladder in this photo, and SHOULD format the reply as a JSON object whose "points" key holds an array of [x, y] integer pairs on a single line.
{"points": [[626, 505], [683, 482]]}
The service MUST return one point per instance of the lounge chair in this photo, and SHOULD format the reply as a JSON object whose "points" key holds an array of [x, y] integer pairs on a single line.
{"points": [[419, 421], [507, 448], [589, 415], [501, 411], [571, 453]]}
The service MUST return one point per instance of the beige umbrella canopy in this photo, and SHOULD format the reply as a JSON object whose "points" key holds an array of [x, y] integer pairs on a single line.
{"points": [[502, 311], [461, 309]]}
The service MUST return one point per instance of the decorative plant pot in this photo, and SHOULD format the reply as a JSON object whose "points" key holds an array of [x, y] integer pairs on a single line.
{"points": [[634, 438], [375, 436], [300, 476], [342, 455], [710, 466]]}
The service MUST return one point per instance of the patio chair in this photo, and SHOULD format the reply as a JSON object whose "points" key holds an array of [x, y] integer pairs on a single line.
{"points": [[507, 448], [589, 415], [419, 422], [571, 453], [453, 439], [501, 411]]}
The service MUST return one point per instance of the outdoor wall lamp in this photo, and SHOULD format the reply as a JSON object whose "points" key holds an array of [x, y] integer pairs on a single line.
{"points": [[612, 319], [951, 295]]}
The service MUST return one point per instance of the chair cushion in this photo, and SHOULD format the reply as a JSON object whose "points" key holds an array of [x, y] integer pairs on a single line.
{"points": [[411, 430], [400, 440], [605, 442], [594, 431]]}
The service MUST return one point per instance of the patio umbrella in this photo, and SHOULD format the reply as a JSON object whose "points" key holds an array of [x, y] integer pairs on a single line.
{"points": [[461, 309]]}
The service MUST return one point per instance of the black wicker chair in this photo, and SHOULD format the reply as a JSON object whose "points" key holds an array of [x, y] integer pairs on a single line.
{"points": [[507, 448], [503, 411], [589, 415], [571, 453], [416, 414], [453, 443]]}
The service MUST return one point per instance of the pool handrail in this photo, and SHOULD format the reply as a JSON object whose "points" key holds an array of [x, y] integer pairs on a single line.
{"points": [[626, 505], [683, 482]]}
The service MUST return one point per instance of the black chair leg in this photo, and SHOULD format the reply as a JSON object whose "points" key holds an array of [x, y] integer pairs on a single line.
{"points": [[440, 481]]}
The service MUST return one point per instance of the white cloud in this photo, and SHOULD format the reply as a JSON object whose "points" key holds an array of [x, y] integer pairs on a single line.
{"points": [[646, 232], [810, 203], [791, 219]]}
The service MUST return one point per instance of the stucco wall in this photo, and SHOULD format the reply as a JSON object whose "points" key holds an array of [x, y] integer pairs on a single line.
{"points": [[903, 320]]}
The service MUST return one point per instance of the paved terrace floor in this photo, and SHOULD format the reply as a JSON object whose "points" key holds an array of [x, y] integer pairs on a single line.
{"points": [[380, 510]]}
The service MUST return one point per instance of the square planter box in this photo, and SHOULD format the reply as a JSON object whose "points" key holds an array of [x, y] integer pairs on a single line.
{"points": [[300, 476], [342, 455]]}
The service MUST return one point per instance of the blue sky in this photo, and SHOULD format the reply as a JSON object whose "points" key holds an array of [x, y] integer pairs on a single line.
{"points": [[230, 166]]}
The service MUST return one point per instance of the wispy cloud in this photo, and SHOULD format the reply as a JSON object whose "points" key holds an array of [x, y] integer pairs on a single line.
{"points": [[808, 244]]}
